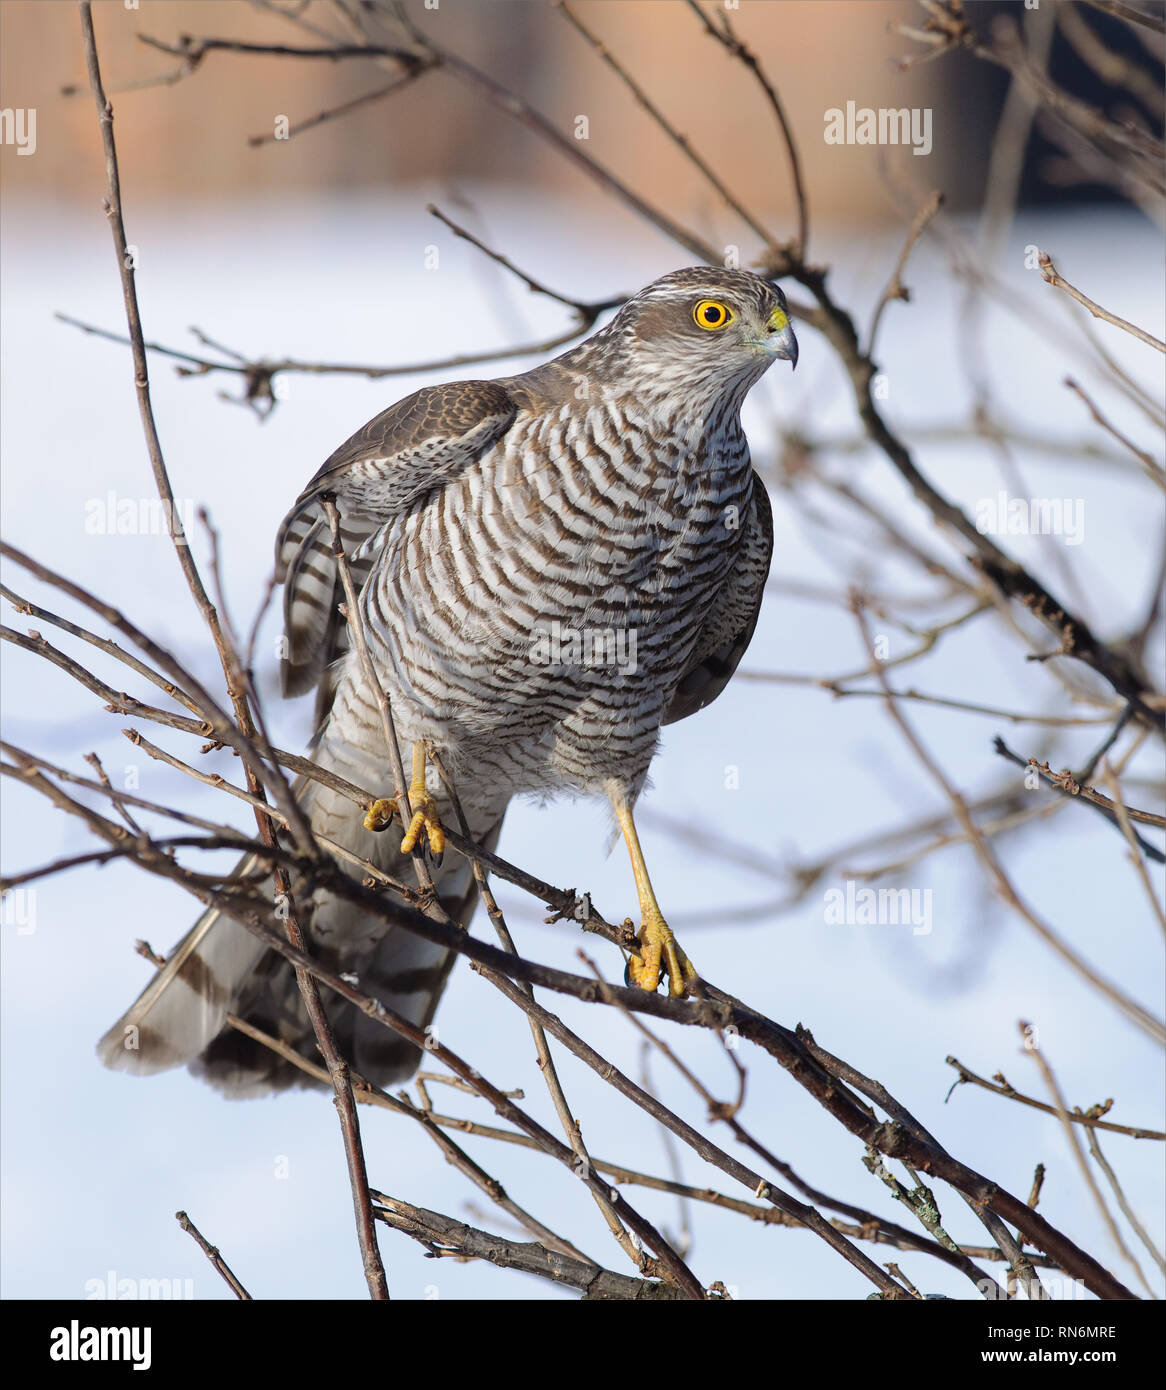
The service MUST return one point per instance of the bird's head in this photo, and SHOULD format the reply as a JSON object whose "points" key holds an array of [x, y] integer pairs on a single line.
{"points": [[705, 331]]}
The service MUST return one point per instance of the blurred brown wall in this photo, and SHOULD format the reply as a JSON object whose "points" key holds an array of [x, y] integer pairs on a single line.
{"points": [[189, 138]]}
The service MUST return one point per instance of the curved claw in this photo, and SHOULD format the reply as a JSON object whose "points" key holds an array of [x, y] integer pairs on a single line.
{"points": [[381, 814], [424, 825], [660, 954]]}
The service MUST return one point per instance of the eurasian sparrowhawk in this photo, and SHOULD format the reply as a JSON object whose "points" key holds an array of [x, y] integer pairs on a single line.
{"points": [[551, 567]]}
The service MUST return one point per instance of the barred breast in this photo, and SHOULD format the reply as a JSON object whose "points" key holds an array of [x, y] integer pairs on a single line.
{"points": [[534, 617]]}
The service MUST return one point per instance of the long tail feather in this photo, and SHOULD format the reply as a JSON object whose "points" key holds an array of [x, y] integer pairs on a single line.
{"points": [[186, 1004]]}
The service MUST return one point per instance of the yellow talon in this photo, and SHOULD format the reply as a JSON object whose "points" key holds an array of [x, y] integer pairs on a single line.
{"points": [[660, 952], [380, 814], [424, 822]]}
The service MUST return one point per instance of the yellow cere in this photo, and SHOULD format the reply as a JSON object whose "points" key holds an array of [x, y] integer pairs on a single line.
{"points": [[778, 319]]}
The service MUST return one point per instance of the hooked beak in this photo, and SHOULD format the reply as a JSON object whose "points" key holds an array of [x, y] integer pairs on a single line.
{"points": [[779, 336]]}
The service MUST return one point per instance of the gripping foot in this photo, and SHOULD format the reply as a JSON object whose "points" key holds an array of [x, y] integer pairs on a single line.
{"points": [[660, 955], [424, 823]]}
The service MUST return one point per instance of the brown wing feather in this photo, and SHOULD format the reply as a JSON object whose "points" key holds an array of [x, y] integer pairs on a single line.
{"points": [[731, 623], [399, 456]]}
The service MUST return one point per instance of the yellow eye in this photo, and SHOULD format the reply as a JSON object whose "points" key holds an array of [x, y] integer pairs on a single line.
{"points": [[712, 314]]}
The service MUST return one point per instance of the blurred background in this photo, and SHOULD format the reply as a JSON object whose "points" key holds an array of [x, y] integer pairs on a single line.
{"points": [[319, 248], [183, 141]]}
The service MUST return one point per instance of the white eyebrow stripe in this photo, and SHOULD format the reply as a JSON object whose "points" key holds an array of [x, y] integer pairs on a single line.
{"points": [[687, 292]]}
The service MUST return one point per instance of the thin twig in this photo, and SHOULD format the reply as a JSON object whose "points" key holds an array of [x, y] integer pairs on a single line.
{"points": [[1147, 19], [212, 1254], [1027, 1033], [1092, 1120], [1052, 276], [895, 288], [1123, 1201], [443, 1236], [1154, 470], [1000, 881], [1123, 817], [727, 38], [681, 141], [1067, 785]]}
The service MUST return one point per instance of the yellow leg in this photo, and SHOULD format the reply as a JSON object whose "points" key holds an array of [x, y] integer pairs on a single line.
{"points": [[424, 823], [660, 952]]}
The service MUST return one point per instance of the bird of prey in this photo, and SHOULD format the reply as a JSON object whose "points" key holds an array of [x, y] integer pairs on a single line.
{"points": [[550, 566]]}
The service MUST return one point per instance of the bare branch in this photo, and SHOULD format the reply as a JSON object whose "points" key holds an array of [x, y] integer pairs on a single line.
{"points": [[1052, 276], [1091, 1120], [212, 1254], [442, 1235], [1147, 19], [895, 288], [1028, 1034], [1000, 881], [1154, 470], [727, 38]]}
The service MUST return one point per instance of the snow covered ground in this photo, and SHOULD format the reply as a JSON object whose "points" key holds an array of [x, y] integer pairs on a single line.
{"points": [[95, 1164]]}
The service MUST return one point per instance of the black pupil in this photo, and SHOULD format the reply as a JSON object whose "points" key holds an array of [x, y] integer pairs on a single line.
{"points": [[712, 313]]}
